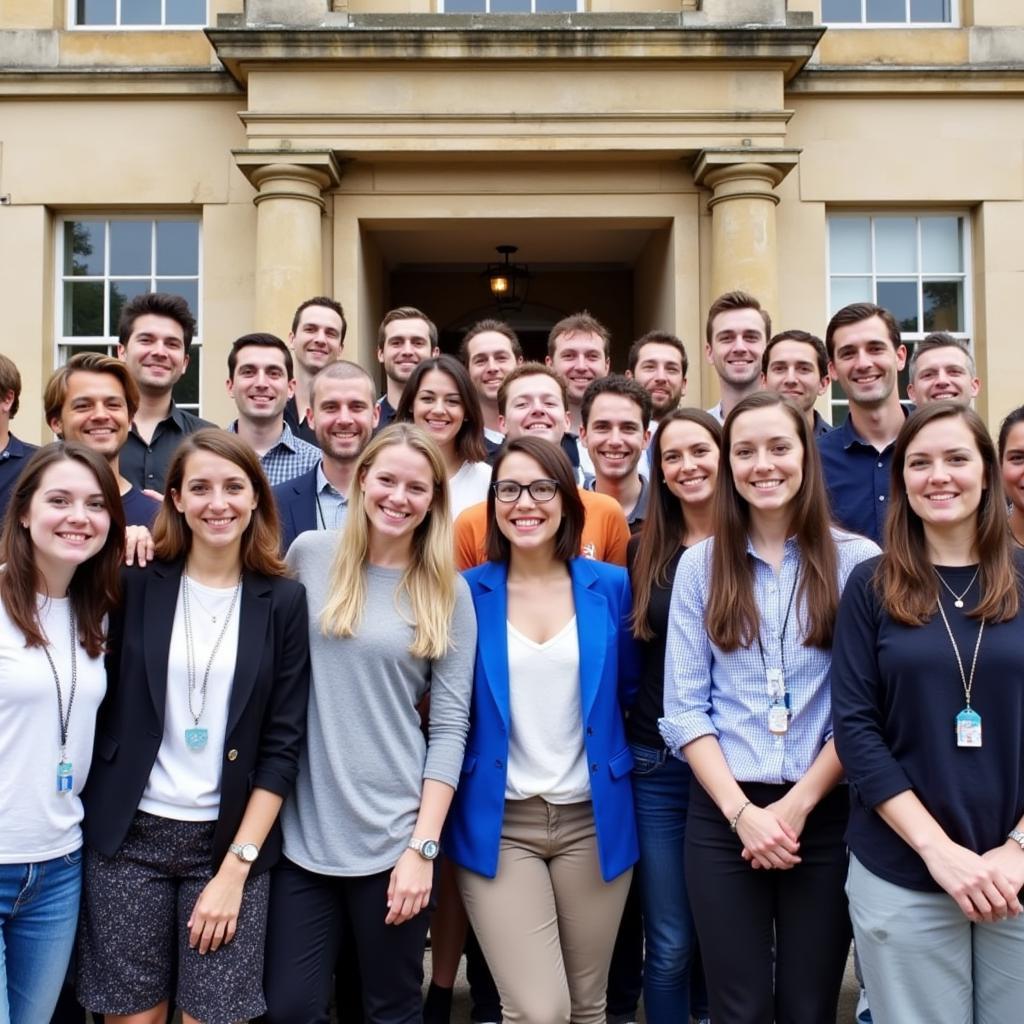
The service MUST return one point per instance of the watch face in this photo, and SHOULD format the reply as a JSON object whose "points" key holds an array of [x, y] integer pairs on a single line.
{"points": [[250, 851], [429, 849]]}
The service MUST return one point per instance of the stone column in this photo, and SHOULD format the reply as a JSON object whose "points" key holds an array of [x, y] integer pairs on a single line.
{"points": [[289, 246], [742, 204]]}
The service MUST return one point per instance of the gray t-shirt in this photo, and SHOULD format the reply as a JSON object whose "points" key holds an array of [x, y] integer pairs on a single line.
{"points": [[361, 770]]}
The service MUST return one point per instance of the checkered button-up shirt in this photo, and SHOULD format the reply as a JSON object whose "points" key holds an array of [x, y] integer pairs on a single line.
{"points": [[288, 458]]}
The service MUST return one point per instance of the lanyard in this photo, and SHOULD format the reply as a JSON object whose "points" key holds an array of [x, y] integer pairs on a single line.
{"points": [[967, 681], [782, 636], [64, 716]]}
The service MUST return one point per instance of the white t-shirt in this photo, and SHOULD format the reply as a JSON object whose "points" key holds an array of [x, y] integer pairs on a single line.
{"points": [[185, 784], [36, 822], [468, 486], [545, 744]]}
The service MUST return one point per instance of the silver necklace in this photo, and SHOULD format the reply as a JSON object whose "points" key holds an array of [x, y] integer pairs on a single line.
{"points": [[196, 737], [65, 779], [958, 599]]}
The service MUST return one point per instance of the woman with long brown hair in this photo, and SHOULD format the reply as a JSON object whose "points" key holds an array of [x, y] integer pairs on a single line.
{"points": [[928, 699], [747, 705], [197, 746], [684, 463], [60, 554]]}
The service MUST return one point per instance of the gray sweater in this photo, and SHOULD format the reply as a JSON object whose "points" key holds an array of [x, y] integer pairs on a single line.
{"points": [[361, 771]]}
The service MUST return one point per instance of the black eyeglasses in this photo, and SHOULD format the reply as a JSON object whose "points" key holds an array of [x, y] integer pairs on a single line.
{"points": [[507, 491]]}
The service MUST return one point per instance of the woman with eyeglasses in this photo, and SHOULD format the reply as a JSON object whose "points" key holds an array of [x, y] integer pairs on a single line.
{"points": [[542, 826]]}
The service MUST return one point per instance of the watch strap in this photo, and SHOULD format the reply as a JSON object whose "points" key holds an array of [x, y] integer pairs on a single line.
{"points": [[1017, 836]]}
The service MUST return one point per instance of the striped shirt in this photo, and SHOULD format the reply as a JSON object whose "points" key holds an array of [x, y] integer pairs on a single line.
{"points": [[709, 692]]}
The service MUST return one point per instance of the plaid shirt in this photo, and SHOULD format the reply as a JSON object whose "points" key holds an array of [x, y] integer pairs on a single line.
{"points": [[288, 458]]}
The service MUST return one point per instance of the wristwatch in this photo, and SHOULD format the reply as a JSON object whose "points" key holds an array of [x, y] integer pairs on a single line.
{"points": [[245, 851], [1017, 836], [428, 849]]}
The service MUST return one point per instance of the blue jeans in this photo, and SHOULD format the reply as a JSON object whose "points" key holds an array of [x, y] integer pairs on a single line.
{"points": [[661, 792], [38, 914]]}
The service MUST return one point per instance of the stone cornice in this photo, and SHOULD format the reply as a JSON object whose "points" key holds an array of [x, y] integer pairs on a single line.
{"points": [[134, 82], [875, 79]]}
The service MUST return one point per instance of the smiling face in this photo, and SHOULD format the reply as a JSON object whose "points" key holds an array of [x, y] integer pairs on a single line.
{"points": [[534, 408], [579, 358], [1013, 466], [490, 360], [865, 362], [615, 435], [526, 523], [398, 489], [155, 353], [260, 386], [766, 457], [943, 374], [689, 461], [659, 371], [217, 500], [793, 372], [944, 474], [317, 340], [437, 407], [67, 520], [406, 345], [344, 416], [737, 344], [95, 412]]}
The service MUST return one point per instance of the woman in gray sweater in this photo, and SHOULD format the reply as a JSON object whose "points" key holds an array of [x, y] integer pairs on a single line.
{"points": [[390, 622]]}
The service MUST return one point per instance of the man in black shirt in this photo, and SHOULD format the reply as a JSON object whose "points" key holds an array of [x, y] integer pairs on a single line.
{"points": [[316, 339]]}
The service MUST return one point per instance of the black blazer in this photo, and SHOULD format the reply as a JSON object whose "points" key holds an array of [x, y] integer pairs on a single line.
{"points": [[266, 710], [296, 506]]}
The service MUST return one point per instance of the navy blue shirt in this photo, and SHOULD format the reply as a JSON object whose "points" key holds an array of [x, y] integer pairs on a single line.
{"points": [[896, 692], [139, 509], [12, 461], [857, 478]]}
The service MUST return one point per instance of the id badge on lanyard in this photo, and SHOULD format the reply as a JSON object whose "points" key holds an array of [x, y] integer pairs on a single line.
{"points": [[778, 710]]}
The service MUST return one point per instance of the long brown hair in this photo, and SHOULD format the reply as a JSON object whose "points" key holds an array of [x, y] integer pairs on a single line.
{"points": [[661, 535], [96, 585], [732, 617], [172, 536], [905, 579]]}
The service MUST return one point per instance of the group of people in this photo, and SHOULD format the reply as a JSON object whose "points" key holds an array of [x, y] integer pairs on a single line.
{"points": [[714, 691]]}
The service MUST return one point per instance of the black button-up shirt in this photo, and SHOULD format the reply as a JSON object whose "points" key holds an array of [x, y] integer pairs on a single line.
{"points": [[145, 465]]}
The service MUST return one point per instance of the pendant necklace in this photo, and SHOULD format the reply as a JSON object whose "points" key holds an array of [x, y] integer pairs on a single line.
{"points": [[958, 599], [196, 737], [65, 780]]}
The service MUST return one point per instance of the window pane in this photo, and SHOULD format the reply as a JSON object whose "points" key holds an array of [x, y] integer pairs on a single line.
{"points": [[849, 289], [895, 245], [83, 309], [929, 10], [188, 290], [186, 391], [186, 12], [849, 245], [177, 247], [140, 12], [942, 245], [464, 6], [900, 298], [120, 293], [510, 6], [130, 247], [554, 6], [83, 248], [840, 10], [880, 10], [94, 12], [943, 305]]}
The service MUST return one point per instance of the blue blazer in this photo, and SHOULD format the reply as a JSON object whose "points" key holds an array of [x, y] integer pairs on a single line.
{"points": [[608, 681], [296, 505]]}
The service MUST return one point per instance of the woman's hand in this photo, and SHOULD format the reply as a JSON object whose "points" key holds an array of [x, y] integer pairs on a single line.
{"points": [[1009, 859], [215, 915], [980, 885], [409, 887], [769, 841], [138, 545]]}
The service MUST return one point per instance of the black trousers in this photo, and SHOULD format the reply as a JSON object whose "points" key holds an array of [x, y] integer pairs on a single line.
{"points": [[774, 943], [626, 972], [311, 916]]}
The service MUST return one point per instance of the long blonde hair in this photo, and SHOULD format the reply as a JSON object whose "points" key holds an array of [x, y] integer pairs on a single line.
{"points": [[429, 579]]}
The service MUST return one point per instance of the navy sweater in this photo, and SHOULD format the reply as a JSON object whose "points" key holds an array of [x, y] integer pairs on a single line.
{"points": [[896, 691]]}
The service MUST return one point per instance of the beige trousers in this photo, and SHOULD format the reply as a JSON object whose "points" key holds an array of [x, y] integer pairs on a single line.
{"points": [[547, 921]]}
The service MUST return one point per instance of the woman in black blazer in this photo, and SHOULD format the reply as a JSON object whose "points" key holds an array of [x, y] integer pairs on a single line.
{"points": [[196, 747]]}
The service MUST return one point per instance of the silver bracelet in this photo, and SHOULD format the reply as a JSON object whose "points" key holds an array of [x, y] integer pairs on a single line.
{"points": [[736, 817]]}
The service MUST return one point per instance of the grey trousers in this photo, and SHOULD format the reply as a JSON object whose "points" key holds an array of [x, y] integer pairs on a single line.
{"points": [[925, 963], [547, 921]]}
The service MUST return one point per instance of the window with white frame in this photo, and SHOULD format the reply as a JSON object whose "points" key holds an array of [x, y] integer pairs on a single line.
{"points": [[915, 266], [510, 6], [138, 13], [105, 261], [887, 12]]}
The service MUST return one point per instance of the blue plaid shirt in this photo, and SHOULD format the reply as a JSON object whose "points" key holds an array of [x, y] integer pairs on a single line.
{"points": [[288, 458], [711, 693]]}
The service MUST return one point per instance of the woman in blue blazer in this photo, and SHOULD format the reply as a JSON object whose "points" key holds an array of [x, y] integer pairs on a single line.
{"points": [[542, 826]]}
